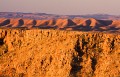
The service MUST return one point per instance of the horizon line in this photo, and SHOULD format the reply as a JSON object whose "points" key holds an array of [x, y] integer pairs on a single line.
{"points": [[62, 14]]}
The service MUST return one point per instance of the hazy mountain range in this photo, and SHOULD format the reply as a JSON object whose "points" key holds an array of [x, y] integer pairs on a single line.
{"points": [[53, 16]]}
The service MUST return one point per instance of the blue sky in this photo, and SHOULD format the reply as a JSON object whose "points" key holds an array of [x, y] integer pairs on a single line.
{"points": [[74, 7]]}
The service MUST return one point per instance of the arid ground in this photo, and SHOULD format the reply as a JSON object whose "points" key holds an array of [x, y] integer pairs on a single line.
{"points": [[63, 47]]}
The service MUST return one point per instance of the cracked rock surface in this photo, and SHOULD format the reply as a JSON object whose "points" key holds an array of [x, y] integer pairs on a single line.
{"points": [[55, 53]]}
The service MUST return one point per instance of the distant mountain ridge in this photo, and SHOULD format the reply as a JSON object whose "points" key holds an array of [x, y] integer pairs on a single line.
{"points": [[90, 24], [42, 16]]}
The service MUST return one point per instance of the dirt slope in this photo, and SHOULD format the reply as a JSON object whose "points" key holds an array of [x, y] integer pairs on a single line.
{"points": [[55, 53], [64, 24]]}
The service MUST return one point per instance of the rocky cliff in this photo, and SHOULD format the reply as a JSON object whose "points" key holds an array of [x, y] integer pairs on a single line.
{"points": [[55, 53]]}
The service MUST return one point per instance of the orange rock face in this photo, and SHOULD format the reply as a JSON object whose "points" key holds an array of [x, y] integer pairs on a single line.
{"points": [[55, 53]]}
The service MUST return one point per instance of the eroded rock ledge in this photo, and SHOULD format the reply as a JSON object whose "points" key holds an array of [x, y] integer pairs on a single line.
{"points": [[55, 53]]}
